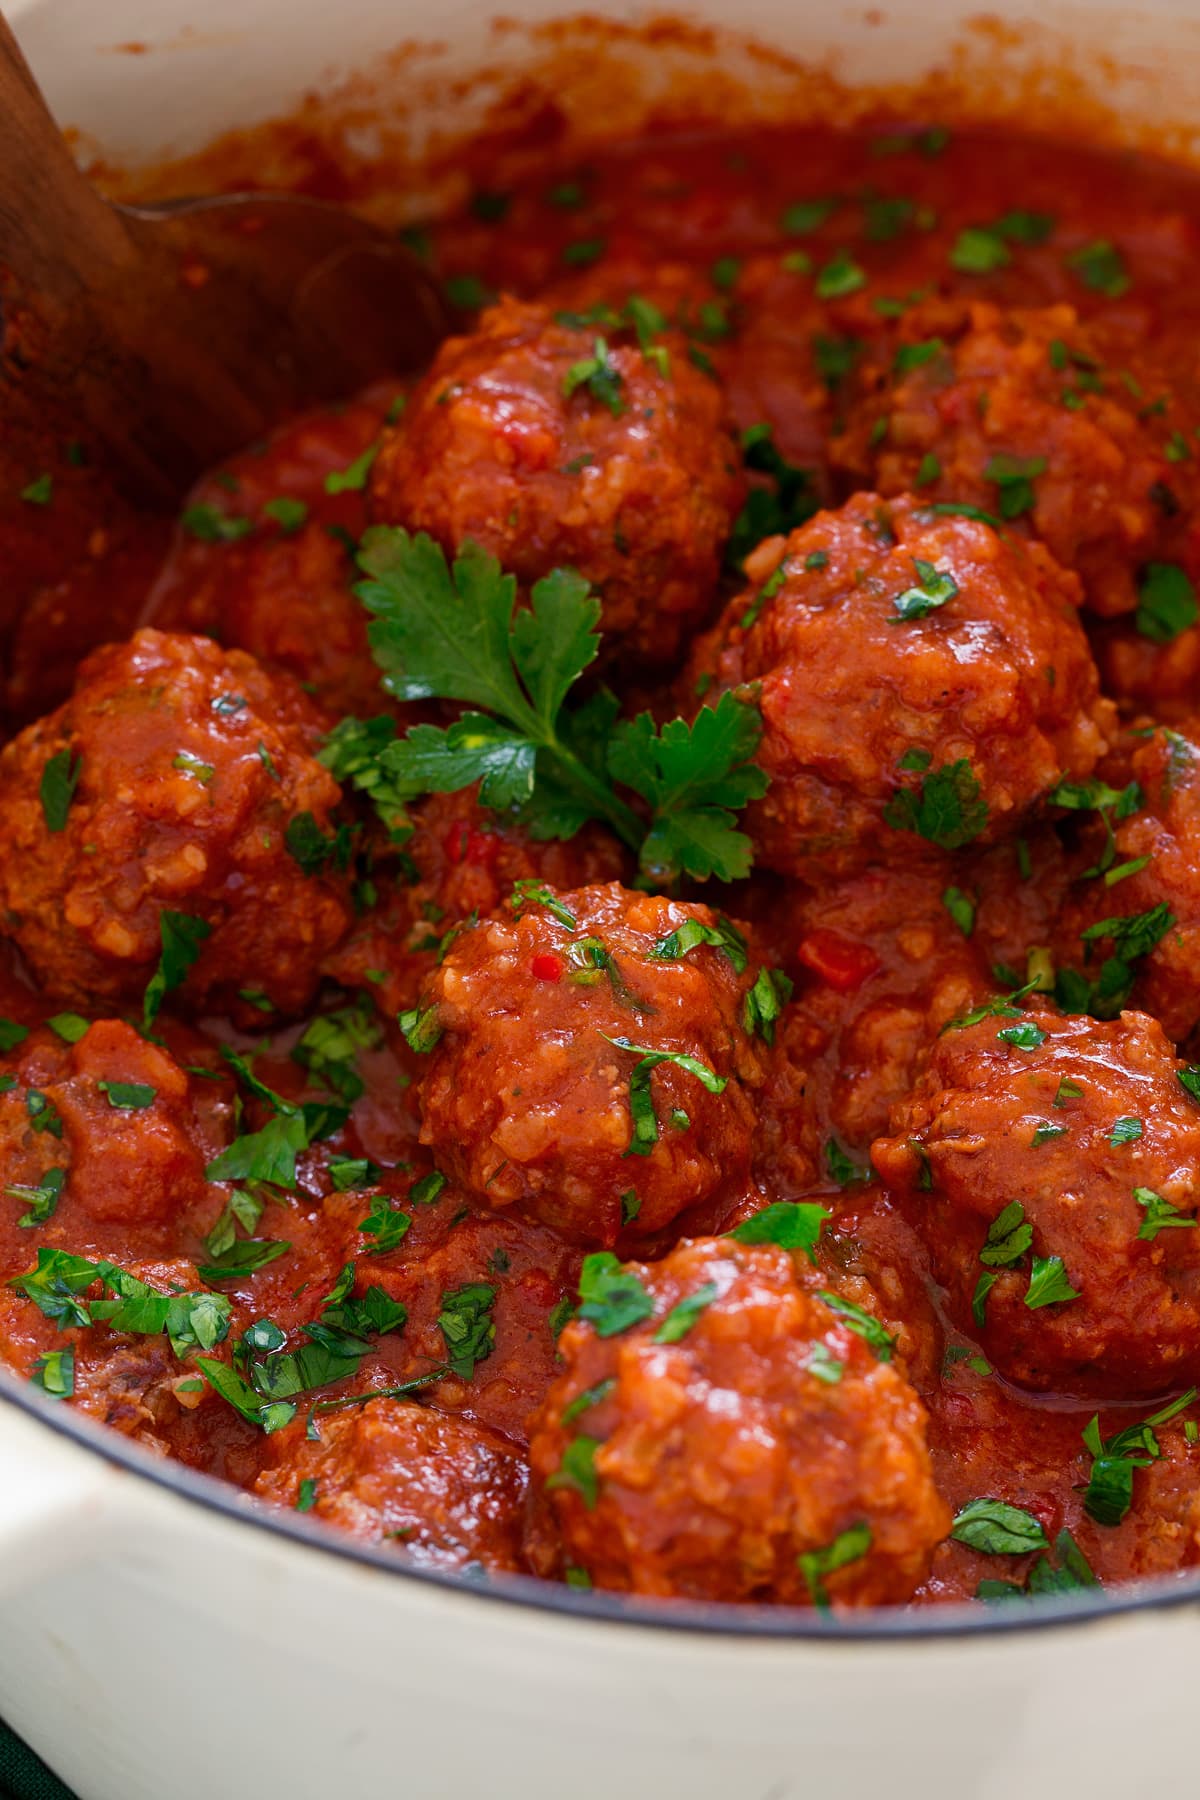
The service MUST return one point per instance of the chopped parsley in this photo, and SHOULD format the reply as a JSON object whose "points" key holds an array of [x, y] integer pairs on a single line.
{"points": [[213, 527], [842, 1168], [1161, 1214], [947, 808], [386, 1222], [1014, 476], [128, 1096], [54, 1373], [862, 1323], [790, 499], [998, 1529], [840, 276], [934, 588], [1101, 267], [1166, 602], [961, 908], [578, 1470], [466, 1324], [792, 1224], [1125, 1130], [288, 514], [645, 1124], [1049, 1284], [600, 376], [764, 1003], [60, 778], [613, 1299], [848, 1547], [722, 936], [40, 1199], [1109, 1492], [183, 939], [353, 478]]}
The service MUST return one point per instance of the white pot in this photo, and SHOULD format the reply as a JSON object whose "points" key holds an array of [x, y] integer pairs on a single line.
{"points": [[159, 1637]]}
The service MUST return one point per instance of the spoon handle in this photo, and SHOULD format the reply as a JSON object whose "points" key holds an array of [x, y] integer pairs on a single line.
{"points": [[55, 230]]}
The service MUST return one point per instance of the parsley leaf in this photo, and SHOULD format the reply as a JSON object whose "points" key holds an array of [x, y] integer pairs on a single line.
{"points": [[934, 588], [42, 1199], [849, 1546], [352, 754], [613, 1299], [1160, 1214], [791, 498], [60, 778], [466, 1324], [722, 936], [1166, 602], [451, 633], [54, 1373], [645, 1133], [244, 1256], [862, 1323], [1014, 476], [1049, 1284], [600, 376], [1109, 1492], [1009, 1237], [578, 1470], [946, 809], [183, 939], [998, 1529], [764, 1003], [792, 1224], [683, 1315]]}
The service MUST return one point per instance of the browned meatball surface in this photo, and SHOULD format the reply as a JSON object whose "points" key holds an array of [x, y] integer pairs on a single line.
{"points": [[1130, 927], [558, 444], [443, 1493], [172, 782], [1037, 418], [593, 1059], [289, 600], [723, 1434], [1049, 1166], [923, 680], [97, 1131]]}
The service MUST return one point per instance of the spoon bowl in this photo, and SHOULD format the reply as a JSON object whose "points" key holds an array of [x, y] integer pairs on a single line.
{"points": [[174, 333]]}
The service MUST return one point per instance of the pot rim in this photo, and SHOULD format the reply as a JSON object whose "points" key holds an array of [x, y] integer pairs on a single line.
{"points": [[704, 1619]]}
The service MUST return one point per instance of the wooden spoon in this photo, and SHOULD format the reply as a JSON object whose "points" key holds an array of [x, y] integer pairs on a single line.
{"points": [[176, 333]]}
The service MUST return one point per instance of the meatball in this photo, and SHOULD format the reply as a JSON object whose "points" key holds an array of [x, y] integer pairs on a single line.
{"points": [[1139, 936], [880, 967], [109, 1114], [442, 1491], [287, 599], [738, 1442], [593, 1056], [178, 779], [1149, 675], [921, 679], [1048, 1162], [1037, 418], [553, 444], [465, 859]]}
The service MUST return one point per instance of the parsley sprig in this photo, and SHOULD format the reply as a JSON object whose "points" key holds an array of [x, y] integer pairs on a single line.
{"points": [[451, 633]]}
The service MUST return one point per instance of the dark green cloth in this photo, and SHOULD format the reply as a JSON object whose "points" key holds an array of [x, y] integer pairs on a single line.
{"points": [[23, 1776]]}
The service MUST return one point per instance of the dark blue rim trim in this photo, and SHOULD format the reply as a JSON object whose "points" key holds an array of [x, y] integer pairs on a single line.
{"points": [[698, 1617]]}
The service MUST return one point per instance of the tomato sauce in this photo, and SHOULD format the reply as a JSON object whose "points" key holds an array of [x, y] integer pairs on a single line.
{"points": [[993, 338]]}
